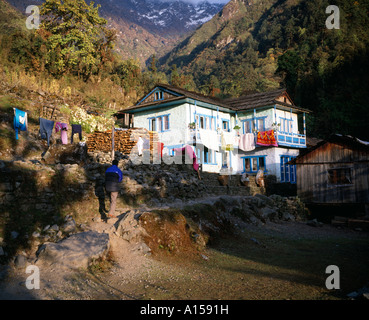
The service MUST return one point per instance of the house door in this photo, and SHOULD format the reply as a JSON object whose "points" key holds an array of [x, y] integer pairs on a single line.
{"points": [[288, 171]]}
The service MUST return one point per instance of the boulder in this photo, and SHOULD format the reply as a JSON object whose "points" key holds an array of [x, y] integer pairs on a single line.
{"points": [[268, 213], [77, 251], [69, 226], [20, 261], [129, 229], [266, 200]]}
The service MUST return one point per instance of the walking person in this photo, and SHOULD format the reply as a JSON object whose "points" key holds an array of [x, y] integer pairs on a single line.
{"points": [[113, 177]]}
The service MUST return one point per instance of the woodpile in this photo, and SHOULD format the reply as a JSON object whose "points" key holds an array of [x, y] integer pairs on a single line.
{"points": [[53, 113], [124, 140]]}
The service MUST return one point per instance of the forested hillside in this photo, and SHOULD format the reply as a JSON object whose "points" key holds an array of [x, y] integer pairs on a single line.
{"points": [[72, 56], [253, 45], [259, 45]]}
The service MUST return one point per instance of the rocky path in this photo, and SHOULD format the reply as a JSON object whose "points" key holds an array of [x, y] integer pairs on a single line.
{"points": [[111, 261]]}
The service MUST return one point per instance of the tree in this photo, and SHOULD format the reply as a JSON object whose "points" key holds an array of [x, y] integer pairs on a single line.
{"points": [[153, 61], [129, 72], [174, 77], [76, 38], [289, 65]]}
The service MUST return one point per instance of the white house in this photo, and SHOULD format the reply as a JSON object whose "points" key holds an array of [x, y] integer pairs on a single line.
{"points": [[215, 129]]}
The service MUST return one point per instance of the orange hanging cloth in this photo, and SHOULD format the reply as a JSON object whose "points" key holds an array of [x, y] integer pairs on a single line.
{"points": [[266, 138]]}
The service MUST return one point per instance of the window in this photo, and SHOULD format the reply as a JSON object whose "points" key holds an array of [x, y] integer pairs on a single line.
{"points": [[260, 124], [152, 124], [262, 163], [166, 123], [158, 95], [340, 176], [247, 165], [202, 122], [209, 156], [288, 171], [286, 125], [159, 124], [225, 125], [249, 124], [205, 122], [254, 164], [159, 127]]}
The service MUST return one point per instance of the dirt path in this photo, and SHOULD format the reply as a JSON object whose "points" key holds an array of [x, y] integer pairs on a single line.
{"points": [[274, 261]]}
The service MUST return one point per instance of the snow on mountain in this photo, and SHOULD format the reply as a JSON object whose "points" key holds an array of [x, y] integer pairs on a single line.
{"points": [[164, 16]]}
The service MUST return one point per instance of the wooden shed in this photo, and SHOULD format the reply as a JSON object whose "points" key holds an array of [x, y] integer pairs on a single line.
{"points": [[335, 171]]}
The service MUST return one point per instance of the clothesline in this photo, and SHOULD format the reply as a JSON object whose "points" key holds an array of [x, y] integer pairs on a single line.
{"points": [[20, 123]]}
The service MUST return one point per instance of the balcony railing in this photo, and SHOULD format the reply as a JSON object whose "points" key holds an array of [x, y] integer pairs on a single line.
{"points": [[291, 139], [288, 139]]}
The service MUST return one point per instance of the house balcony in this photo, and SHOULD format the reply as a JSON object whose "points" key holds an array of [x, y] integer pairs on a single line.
{"points": [[290, 139], [287, 139]]}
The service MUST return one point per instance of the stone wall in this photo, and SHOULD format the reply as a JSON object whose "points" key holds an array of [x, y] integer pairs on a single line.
{"points": [[32, 185]]}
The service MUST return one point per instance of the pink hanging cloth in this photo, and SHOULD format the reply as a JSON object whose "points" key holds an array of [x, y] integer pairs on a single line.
{"points": [[191, 154], [63, 127]]}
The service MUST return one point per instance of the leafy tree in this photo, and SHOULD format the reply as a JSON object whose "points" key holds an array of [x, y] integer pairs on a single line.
{"points": [[76, 38], [289, 64], [129, 71], [174, 77], [153, 61]]}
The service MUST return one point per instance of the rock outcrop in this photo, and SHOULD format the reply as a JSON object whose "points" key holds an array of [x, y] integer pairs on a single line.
{"points": [[77, 251]]}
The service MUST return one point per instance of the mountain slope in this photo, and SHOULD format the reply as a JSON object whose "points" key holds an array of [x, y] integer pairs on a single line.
{"points": [[225, 45], [261, 44], [147, 27], [11, 20]]}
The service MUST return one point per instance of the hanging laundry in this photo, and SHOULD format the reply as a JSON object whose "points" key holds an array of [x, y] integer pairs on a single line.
{"points": [[227, 141], [190, 153], [266, 138], [63, 127], [209, 138], [46, 129], [146, 144], [20, 121], [247, 142], [140, 143], [76, 128], [160, 148]]}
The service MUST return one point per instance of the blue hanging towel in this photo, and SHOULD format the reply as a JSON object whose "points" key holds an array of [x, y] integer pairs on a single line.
{"points": [[46, 129], [20, 121]]}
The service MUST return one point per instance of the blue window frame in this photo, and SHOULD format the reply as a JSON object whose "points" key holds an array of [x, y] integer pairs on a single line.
{"points": [[205, 121], [209, 156], [226, 125], [172, 147], [160, 123], [253, 164], [158, 95], [286, 125], [248, 125], [288, 171]]}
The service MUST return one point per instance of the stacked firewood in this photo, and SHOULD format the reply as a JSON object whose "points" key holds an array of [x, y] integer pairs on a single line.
{"points": [[124, 140], [50, 113]]}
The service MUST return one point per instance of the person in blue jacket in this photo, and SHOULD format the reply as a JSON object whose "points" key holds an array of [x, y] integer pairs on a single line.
{"points": [[113, 178]]}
